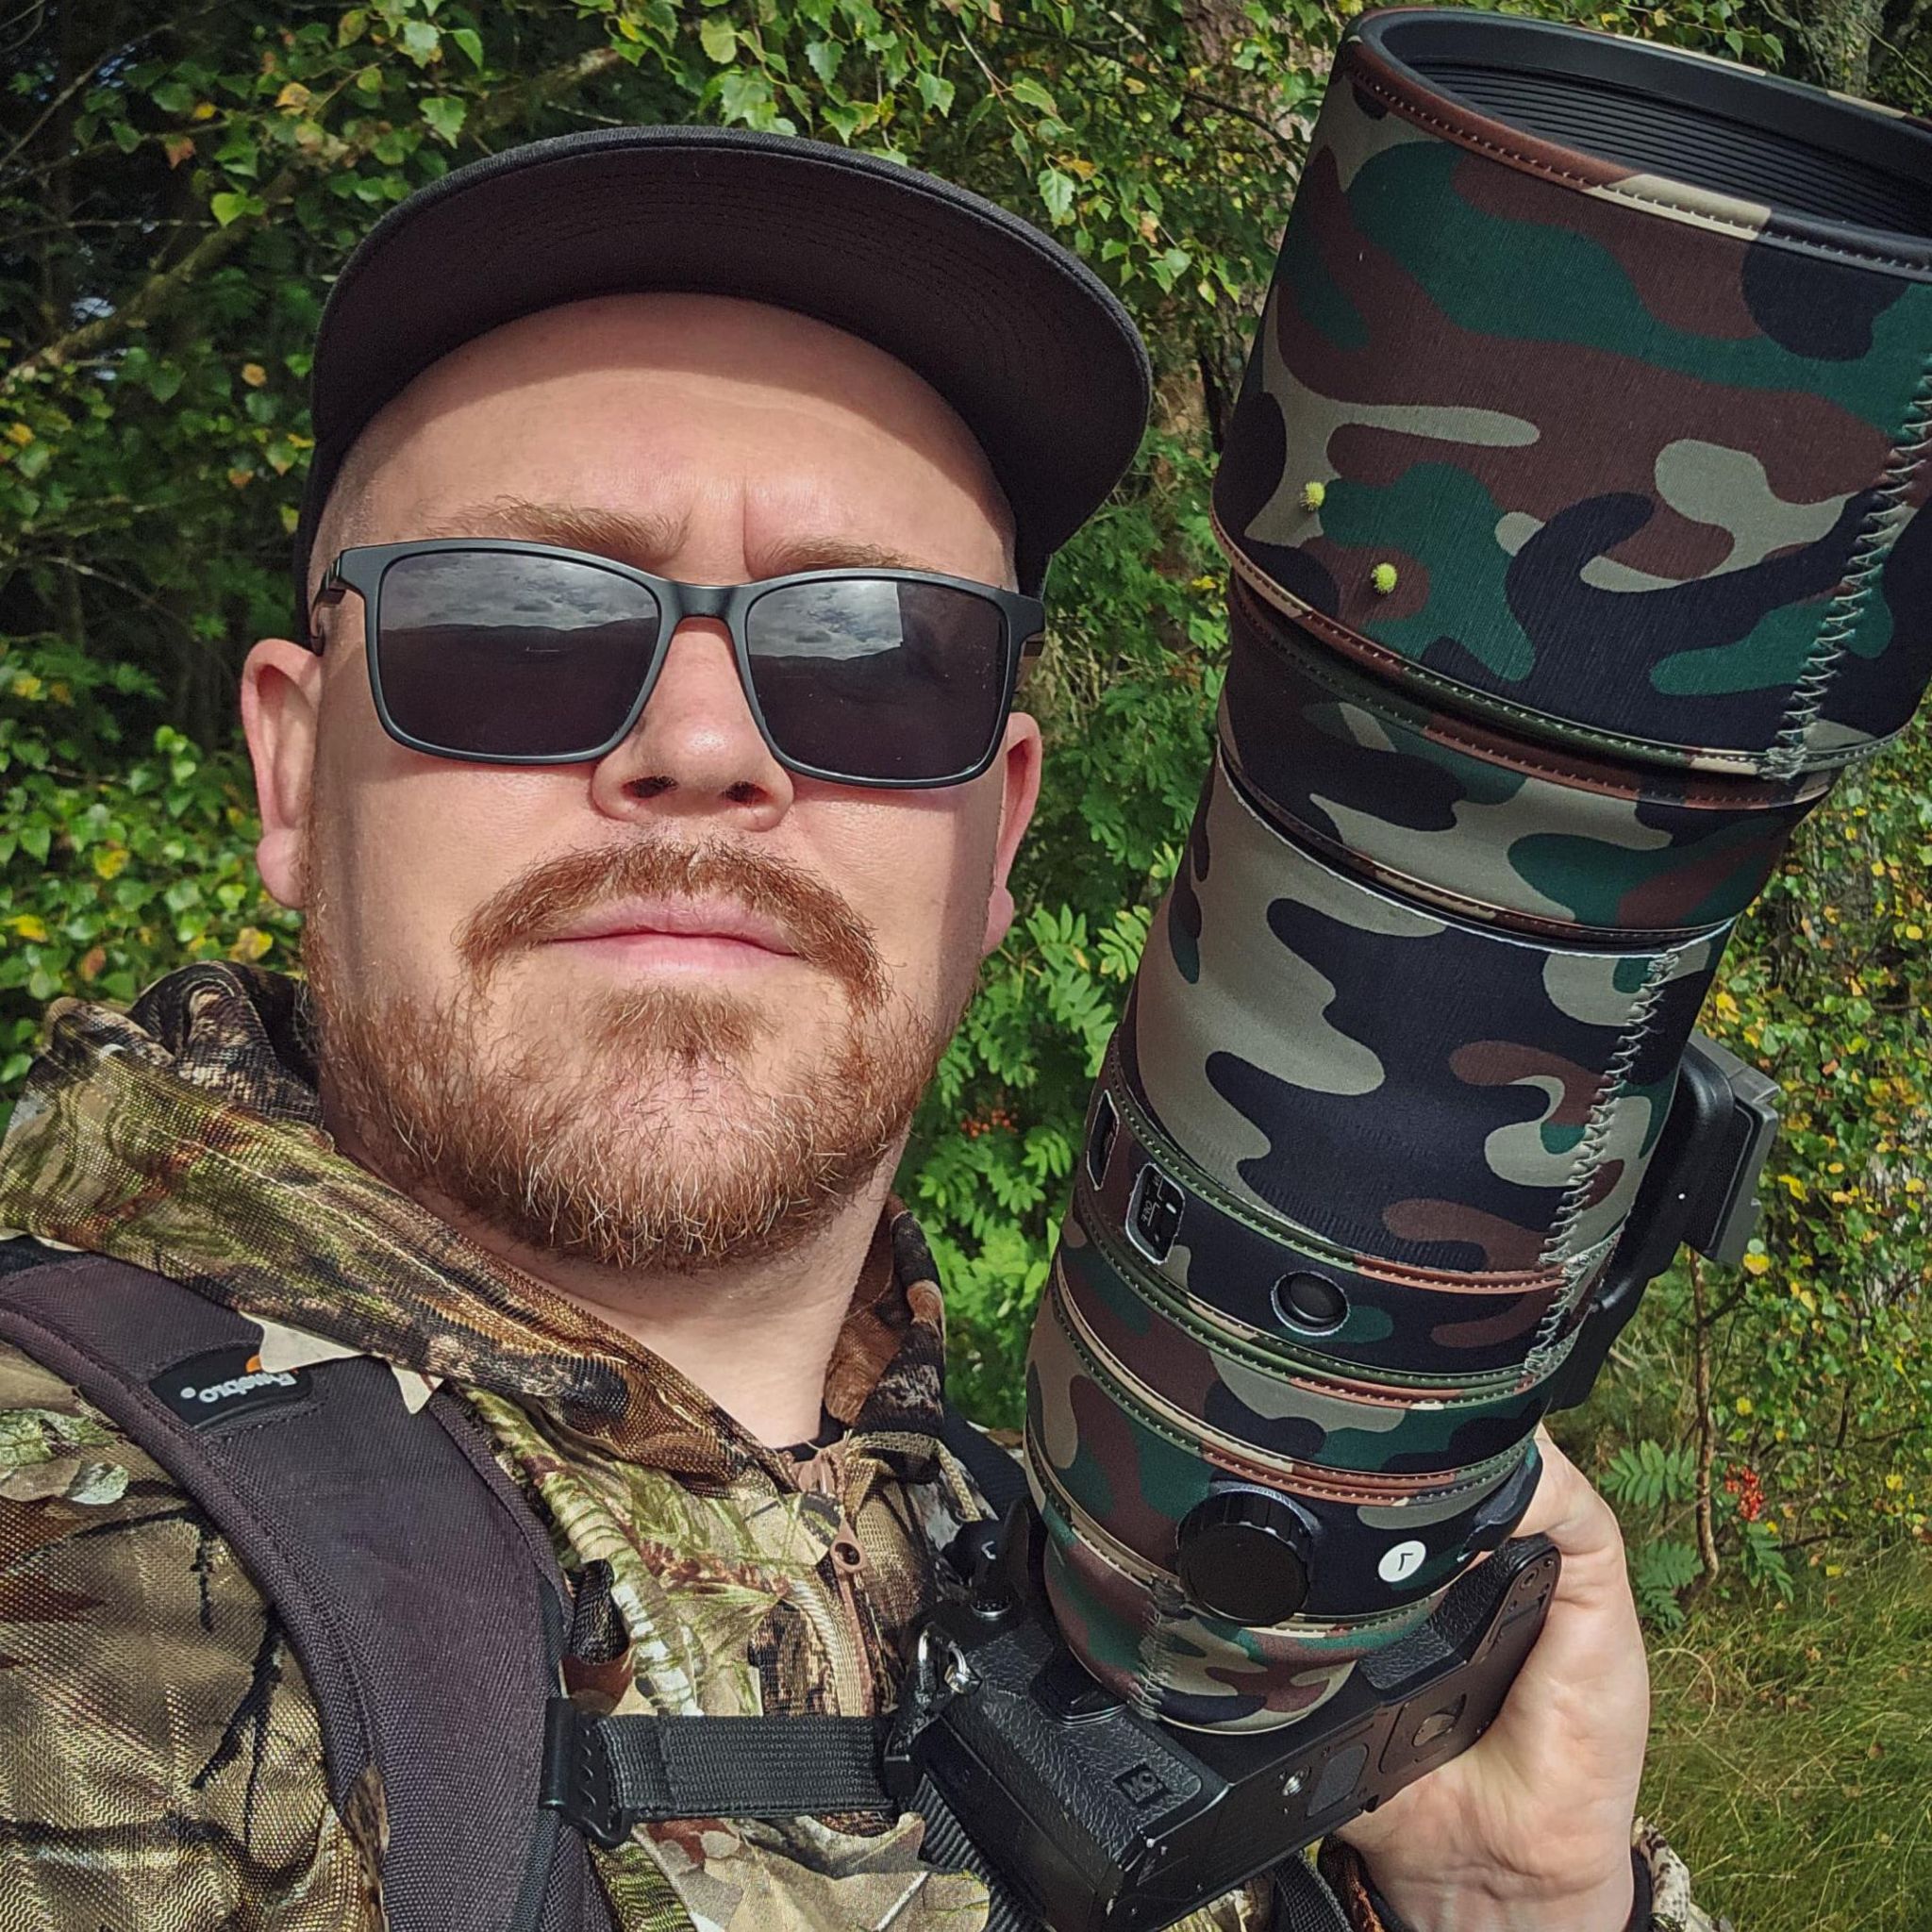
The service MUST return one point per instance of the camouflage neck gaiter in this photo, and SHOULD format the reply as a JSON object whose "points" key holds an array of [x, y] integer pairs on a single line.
{"points": [[185, 1135]]}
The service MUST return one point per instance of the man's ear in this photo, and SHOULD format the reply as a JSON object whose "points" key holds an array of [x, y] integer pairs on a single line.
{"points": [[1019, 767], [281, 703]]}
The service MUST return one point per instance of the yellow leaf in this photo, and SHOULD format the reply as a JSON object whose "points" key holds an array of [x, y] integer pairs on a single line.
{"points": [[254, 375], [294, 98], [204, 110], [19, 433], [26, 686], [28, 927], [1756, 1265], [110, 862], [241, 479], [251, 942], [1834, 1568], [1743, 1405]]}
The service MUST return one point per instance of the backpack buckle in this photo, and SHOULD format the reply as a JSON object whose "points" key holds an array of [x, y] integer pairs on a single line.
{"points": [[578, 1779]]}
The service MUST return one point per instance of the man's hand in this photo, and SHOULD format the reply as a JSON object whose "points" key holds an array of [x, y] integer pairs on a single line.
{"points": [[1529, 1831]]}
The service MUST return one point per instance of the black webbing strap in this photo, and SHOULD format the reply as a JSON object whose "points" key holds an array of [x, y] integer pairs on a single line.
{"points": [[1303, 1902], [607, 1773]]}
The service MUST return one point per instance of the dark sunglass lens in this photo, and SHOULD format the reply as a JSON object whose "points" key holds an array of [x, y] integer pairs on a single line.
{"points": [[876, 679], [511, 656]]}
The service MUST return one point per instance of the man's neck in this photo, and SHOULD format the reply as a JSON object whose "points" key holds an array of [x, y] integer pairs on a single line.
{"points": [[757, 1337]]}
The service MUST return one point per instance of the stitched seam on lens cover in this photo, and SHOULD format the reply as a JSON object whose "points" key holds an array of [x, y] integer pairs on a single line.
{"points": [[1884, 524], [1596, 1129], [1352, 1488], [1722, 763], [1344, 1384], [1448, 730]]}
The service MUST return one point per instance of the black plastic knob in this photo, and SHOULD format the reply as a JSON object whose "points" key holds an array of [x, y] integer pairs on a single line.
{"points": [[1312, 1303], [1245, 1555]]}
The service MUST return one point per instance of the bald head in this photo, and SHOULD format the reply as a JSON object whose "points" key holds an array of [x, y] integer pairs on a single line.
{"points": [[642, 410]]}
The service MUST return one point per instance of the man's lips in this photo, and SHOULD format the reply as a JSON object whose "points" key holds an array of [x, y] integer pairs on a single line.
{"points": [[678, 919]]}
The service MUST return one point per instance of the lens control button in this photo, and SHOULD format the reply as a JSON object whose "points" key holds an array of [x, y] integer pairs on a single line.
{"points": [[1312, 1303], [1245, 1555], [1100, 1142], [1154, 1218]]}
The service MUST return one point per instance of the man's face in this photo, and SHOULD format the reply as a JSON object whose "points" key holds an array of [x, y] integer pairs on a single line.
{"points": [[710, 1082]]}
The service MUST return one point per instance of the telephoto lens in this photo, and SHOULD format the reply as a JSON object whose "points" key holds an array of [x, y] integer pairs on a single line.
{"points": [[1572, 503]]}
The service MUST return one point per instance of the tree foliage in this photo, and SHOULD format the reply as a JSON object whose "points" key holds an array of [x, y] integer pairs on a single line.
{"points": [[176, 189]]}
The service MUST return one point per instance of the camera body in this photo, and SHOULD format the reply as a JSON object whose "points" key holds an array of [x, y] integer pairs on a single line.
{"points": [[1097, 1819]]}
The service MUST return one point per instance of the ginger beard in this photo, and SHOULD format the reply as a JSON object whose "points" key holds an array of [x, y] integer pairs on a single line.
{"points": [[632, 1132]]}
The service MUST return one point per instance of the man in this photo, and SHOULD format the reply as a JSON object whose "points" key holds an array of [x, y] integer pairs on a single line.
{"points": [[635, 920]]}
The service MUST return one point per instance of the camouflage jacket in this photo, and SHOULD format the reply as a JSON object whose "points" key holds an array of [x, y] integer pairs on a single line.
{"points": [[162, 1759]]}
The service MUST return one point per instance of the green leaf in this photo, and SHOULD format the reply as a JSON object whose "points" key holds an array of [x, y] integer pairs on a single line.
{"points": [[936, 91], [823, 57], [471, 41], [230, 207], [172, 97], [446, 115], [1027, 89], [421, 41], [719, 39], [1056, 191]]}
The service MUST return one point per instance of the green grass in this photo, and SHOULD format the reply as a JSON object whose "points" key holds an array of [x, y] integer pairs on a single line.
{"points": [[1791, 1756]]}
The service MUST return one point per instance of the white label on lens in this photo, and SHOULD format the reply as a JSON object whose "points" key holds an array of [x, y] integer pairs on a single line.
{"points": [[1401, 1563]]}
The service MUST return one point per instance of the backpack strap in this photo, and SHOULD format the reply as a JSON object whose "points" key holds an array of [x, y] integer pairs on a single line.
{"points": [[999, 1475], [387, 1543]]}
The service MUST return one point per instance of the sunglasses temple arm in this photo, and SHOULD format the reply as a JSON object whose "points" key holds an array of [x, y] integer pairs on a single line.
{"points": [[328, 593]]}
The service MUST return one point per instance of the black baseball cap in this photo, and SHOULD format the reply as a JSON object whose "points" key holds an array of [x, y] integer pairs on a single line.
{"points": [[1019, 336]]}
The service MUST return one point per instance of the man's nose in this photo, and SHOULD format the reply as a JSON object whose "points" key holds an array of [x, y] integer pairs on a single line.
{"points": [[697, 748]]}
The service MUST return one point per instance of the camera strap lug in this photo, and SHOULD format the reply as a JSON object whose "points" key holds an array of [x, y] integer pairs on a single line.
{"points": [[938, 1673]]}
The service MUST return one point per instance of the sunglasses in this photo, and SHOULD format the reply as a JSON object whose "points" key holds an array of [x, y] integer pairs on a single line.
{"points": [[522, 654]]}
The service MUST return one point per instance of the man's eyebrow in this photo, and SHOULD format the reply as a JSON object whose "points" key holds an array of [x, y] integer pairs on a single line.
{"points": [[792, 554], [641, 538], [647, 540]]}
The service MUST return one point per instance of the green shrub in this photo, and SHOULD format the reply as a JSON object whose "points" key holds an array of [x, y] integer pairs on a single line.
{"points": [[153, 435]]}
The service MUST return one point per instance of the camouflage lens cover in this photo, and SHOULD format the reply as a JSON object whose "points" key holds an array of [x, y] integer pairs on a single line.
{"points": [[1233, 1270], [1440, 808], [1630, 455], [1238, 1389], [1131, 1624], [1418, 1088], [1115, 1475], [1574, 513]]}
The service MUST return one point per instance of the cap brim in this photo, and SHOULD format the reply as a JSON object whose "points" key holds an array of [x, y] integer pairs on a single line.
{"points": [[1025, 343]]}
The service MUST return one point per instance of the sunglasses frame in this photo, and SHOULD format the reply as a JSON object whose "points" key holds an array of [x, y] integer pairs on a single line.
{"points": [[363, 567]]}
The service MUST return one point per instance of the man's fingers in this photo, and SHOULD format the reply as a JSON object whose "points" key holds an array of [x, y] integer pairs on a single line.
{"points": [[1567, 1509]]}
